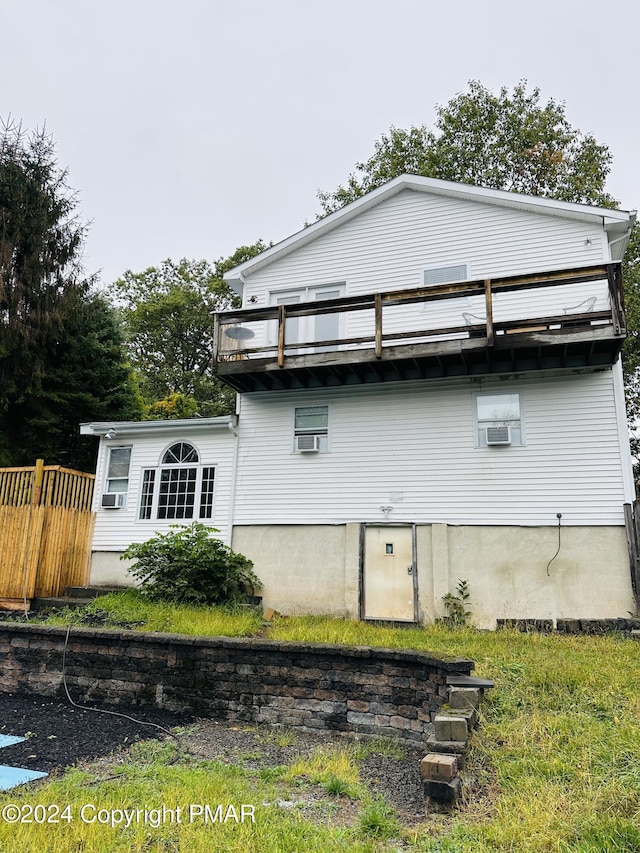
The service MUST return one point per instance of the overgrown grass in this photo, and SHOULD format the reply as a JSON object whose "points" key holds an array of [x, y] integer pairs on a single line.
{"points": [[555, 762], [132, 609], [558, 751]]}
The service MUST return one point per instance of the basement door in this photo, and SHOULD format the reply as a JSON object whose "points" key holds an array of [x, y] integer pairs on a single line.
{"points": [[389, 583]]}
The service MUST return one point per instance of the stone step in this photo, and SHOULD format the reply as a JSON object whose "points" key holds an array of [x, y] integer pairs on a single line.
{"points": [[74, 596], [88, 592]]}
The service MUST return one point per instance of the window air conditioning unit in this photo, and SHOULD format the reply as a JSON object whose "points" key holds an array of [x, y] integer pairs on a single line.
{"points": [[498, 435], [114, 500], [307, 443]]}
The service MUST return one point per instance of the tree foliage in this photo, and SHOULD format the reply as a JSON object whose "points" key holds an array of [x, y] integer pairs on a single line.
{"points": [[61, 358], [507, 141], [168, 319]]}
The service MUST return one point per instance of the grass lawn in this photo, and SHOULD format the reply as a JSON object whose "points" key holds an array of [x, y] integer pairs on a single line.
{"points": [[555, 764]]}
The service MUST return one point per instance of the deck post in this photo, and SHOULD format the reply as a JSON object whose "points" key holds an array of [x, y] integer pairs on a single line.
{"points": [[282, 319], [378, 316], [489, 307]]}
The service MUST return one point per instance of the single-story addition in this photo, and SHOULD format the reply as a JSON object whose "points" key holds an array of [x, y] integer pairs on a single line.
{"points": [[429, 390]]}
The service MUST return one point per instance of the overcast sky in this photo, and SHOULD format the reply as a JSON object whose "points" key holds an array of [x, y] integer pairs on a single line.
{"points": [[191, 127]]}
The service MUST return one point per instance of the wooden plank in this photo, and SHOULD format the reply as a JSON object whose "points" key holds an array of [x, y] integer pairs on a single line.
{"points": [[37, 482], [636, 532], [378, 326], [632, 545]]}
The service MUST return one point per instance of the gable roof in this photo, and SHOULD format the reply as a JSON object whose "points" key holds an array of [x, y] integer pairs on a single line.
{"points": [[616, 223]]}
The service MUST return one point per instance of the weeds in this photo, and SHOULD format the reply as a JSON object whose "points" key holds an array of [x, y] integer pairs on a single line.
{"points": [[455, 605], [377, 819]]}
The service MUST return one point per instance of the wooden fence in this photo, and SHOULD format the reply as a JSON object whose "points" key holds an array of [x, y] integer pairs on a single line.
{"points": [[46, 527]]}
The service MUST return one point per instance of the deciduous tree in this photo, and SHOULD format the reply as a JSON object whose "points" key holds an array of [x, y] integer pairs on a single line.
{"points": [[507, 141], [168, 319]]}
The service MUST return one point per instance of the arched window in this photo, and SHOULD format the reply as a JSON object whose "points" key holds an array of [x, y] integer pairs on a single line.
{"points": [[170, 491], [180, 453]]}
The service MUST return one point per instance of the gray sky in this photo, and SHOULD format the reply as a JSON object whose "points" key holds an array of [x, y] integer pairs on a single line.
{"points": [[190, 127]]}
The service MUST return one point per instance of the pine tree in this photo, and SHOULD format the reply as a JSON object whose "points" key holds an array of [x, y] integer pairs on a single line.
{"points": [[60, 350]]}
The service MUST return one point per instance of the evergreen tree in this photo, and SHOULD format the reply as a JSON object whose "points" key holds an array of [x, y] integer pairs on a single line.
{"points": [[61, 359]]}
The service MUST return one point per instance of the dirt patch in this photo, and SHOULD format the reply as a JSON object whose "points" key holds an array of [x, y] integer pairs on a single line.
{"points": [[59, 735], [387, 769]]}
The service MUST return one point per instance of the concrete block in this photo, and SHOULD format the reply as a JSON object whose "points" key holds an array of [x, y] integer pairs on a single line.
{"points": [[464, 697], [449, 728], [447, 792], [438, 767]]}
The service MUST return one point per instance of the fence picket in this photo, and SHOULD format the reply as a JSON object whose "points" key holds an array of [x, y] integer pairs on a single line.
{"points": [[46, 527]]}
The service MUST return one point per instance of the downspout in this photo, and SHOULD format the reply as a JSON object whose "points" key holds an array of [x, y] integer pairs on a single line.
{"points": [[233, 427]]}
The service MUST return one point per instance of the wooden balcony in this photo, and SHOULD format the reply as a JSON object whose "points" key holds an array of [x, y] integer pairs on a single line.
{"points": [[567, 319]]}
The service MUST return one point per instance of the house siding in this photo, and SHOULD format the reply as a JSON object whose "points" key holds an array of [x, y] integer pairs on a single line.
{"points": [[413, 446], [389, 246], [116, 529]]}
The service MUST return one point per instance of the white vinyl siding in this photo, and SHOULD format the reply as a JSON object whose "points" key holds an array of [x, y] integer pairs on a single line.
{"points": [[390, 246], [414, 446], [116, 529]]}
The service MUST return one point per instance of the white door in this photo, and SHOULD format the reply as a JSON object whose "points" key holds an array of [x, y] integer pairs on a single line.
{"points": [[388, 576], [307, 329]]}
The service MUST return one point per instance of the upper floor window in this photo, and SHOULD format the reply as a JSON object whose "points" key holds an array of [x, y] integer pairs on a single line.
{"points": [[311, 429], [180, 488], [446, 275], [499, 419]]}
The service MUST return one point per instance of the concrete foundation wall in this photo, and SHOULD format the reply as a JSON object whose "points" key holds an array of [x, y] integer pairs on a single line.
{"points": [[506, 568], [107, 569], [316, 569], [304, 568]]}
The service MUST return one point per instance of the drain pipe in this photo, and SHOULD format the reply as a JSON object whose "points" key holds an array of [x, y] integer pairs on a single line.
{"points": [[233, 427]]}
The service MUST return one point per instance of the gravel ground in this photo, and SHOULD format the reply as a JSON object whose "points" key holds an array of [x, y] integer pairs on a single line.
{"points": [[59, 735]]}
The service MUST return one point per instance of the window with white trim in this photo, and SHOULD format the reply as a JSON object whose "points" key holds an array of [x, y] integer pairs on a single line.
{"points": [[180, 488], [118, 463], [499, 419], [311, 429]]}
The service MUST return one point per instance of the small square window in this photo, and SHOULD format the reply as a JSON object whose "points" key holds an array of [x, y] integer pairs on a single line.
{"points": [[499, 420], [311, 429]]}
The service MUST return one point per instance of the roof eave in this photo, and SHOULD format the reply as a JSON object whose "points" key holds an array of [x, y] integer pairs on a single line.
{"points": [[125, 429]]}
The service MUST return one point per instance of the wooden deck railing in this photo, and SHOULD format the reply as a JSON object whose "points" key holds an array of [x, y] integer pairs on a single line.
{"points": [[236, 330]]}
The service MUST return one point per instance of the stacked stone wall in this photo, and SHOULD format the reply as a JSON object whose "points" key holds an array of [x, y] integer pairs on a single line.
{"points": [[382, 692]]}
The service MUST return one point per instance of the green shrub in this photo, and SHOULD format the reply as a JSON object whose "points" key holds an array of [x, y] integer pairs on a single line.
{"points": [[190, 566]]}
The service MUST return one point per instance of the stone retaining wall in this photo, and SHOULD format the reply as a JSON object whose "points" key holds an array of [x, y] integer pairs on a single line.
{"points": [[384, 692], [573, 626]]}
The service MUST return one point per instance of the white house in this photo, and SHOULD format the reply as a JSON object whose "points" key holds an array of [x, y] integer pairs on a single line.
{"points": [[430, 390]]}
